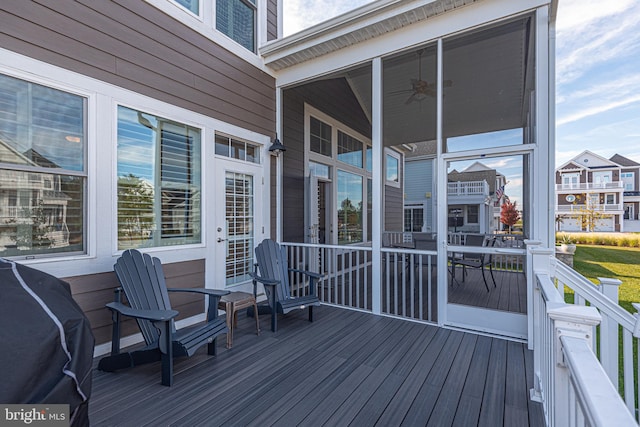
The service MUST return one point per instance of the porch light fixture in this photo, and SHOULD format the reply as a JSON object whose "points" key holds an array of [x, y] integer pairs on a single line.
{"points": [[277, 147]]}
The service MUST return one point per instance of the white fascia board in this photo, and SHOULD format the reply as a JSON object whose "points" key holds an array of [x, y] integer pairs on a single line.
{"points": [[452, 22]]}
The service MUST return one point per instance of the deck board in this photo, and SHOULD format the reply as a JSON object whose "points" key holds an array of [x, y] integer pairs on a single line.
{"points": [[345, 368]]}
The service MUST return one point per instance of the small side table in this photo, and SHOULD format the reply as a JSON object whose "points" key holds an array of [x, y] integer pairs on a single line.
{"points": [[234, 302]]}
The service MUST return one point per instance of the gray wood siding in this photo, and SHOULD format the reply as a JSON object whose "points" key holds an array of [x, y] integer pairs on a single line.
{"points": [[393, 209], [134, 45], [333, 97], [93, 291], [272, 19]]}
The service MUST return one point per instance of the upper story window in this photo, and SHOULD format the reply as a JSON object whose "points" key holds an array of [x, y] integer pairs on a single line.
{"points": [[570, 180], [192, 6], [237, 19], [43, 175], [602, 178], [628, 180], [233, 24], [159, 189]]}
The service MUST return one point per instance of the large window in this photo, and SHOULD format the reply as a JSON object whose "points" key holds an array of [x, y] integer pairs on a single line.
{"points": [[237, 19], [349, 208], [192, 6], [42, 169], [158, 181]]}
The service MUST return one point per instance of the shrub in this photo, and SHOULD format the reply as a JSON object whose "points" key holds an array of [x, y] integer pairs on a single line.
{"points": [[628, 240]]}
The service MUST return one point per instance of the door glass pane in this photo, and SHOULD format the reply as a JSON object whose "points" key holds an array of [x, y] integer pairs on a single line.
{"points": [[349, 208], [239, 215]]}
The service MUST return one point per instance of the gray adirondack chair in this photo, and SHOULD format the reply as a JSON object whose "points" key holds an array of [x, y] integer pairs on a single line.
{"points": [[143, 282], [274, 275]]}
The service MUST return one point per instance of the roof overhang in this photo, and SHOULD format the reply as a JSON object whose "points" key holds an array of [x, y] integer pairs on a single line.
{"points": [[375, 20], [364, 23]]}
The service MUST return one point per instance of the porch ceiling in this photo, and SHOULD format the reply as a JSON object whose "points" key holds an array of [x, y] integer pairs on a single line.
{"points": [[364, 23]]}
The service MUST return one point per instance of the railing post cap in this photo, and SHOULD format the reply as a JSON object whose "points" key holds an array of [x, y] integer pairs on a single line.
{"points": [[538, 250], [575, 314], [531, 242], [609, 281]]}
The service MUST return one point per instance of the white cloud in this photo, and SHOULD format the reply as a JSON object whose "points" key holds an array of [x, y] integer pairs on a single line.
{"points": [[591, 33], [302, 14]]}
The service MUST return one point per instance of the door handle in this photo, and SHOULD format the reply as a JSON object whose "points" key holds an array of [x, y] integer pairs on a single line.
{"points": [[220, 239]]}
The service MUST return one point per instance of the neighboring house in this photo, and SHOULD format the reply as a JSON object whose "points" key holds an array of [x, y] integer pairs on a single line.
{"points": [[589, 194], [476, 195], [630, 177]]}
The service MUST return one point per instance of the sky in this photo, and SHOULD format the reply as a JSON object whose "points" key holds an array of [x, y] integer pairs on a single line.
{"points": [[597, 71]]}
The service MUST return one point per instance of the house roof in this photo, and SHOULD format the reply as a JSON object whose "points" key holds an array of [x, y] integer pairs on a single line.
{"points": [[358, 25], [588, 160], [623, 161]]}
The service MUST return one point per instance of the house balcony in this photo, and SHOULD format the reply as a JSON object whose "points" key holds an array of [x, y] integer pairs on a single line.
{"points": [[609, 208], [590, 186], [469, 188]]}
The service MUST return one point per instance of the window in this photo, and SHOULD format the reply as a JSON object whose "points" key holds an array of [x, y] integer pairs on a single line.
{"points": [[42, 169], [627, 180], [239, 216], [349, 208], [413, 218], [158, 181], [349, 150], [192, 6], [237, 19], [319, 170], [236, 149], [610, 199], [601, 179], [392, 169], [472, 214], [320, 137], [570, 180]]}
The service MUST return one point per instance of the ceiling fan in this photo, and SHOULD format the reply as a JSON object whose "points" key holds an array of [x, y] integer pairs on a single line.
{"points": [[420, 89]]}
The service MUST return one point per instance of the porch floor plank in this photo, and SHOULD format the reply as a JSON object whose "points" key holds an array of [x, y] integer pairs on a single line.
{"points": [[345, 368]]}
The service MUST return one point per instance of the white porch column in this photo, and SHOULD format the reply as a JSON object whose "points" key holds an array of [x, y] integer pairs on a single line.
{"points": [[378, 181]]}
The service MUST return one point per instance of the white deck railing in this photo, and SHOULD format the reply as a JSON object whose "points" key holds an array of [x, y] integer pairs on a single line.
{"points": [[590, 185], [594, 207], [468, 188], [575, 387]]}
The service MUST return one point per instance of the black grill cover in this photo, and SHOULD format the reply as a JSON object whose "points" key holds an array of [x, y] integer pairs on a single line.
{"points": [[46, 343]]}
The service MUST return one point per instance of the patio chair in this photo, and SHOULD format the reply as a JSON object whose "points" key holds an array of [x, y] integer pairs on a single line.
{"points": [[476, 260], [143, 282], [274, 275]]}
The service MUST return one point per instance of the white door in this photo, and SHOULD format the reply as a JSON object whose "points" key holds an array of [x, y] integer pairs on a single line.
{"points": [[239, 221]]}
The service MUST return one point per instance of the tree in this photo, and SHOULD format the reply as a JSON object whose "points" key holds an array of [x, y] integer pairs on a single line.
{"points": [[509, 214], [135, 209]]}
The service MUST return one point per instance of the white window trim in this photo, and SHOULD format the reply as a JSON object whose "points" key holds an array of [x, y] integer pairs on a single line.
{"points": [[102, 101], [395, 155], [335, 164], [205, 24]]}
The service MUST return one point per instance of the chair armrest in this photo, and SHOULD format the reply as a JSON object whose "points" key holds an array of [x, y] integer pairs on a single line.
{"points": [[153, 315], [308, 273], [212, 292], [264, 280]]}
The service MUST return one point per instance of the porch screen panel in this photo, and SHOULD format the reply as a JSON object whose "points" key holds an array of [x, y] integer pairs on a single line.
{"points": [[489, 101], [239, 214], [158, 181], [42, 169]]}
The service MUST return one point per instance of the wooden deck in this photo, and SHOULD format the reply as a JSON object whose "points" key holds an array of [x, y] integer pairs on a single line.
{"points": [[509, 294], [346, 368]]}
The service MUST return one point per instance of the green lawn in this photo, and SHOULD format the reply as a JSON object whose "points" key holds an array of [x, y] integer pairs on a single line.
{"points": [[615, 262]]}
